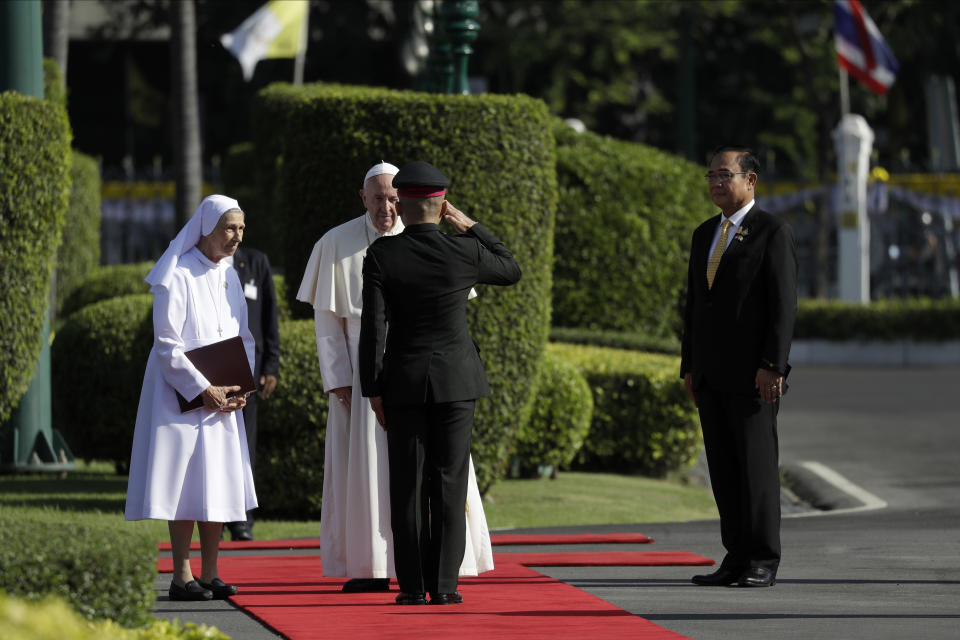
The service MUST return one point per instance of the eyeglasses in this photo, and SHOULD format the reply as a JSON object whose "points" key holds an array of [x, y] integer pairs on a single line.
{"points": [[723, 176]]}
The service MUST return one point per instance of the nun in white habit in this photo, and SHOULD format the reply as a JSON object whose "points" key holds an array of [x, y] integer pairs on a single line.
{"points": [[356, 540], [194, 466]]}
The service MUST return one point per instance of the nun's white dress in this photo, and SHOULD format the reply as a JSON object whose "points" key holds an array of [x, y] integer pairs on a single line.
{"points": [[356, 540], [194, 465]]}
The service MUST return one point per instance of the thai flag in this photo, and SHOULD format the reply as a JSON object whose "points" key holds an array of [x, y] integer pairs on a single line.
{"points": [[861, 49]]}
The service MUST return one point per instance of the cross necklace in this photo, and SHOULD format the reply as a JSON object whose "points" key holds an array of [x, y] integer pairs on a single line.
{"points": [[216, 298]]}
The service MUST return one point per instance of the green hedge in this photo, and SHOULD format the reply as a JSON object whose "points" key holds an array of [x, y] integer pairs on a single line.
{"points": [[559, 421], [498, 152], [624, 223], [919, 319], [643, 420], [117, 280], [34, 192], [104, 568], [98, 359], [79, 254], [616, 339], [291, 428], [264, 227]]}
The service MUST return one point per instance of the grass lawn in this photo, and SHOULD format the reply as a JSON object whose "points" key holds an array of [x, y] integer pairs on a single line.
{"points": [[573, 498], [576, 498]]}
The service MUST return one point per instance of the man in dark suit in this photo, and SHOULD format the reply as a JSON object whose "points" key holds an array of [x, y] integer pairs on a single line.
{"points": [[253, 267], [740, 312], [423, 376]]}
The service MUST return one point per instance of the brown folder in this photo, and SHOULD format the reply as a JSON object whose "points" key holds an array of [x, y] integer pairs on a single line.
{"points": [[224, 364]]}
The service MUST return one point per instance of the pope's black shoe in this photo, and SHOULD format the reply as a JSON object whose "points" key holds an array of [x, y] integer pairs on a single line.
{"points": [[719, 578], [366, 585], [757, 577], [192, 590], [240, 531], [411, 598], [219, 589], [446, 598]]}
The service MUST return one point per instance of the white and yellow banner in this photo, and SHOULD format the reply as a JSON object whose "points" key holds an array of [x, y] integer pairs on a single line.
{"points": [[275, 30]]}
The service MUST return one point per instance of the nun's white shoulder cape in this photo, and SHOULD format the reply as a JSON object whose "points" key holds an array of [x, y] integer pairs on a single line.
{"points": [[194, 465]]}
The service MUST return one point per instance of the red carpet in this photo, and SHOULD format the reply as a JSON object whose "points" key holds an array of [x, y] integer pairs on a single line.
{"points": [[495, 540], [288, 594], [576, 559], [292, 543], [603, 559], [569, 538]]}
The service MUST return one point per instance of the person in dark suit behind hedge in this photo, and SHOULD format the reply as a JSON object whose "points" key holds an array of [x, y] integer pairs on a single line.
{"points": [[253, 267], [423, 376], [738, 324]]}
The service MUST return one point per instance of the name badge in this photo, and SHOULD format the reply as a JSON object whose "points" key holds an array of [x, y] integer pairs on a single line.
{"points": [[250, 290]]}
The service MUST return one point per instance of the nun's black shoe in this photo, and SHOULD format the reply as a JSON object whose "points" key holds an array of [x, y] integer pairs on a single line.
{"points": [[192, 590], [219, 589]]}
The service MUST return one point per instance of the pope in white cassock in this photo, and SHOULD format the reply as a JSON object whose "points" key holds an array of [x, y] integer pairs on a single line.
{"points": [[194, 466], [355, 536]]}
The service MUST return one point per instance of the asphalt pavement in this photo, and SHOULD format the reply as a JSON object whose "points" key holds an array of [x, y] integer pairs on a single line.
{"points": [[880, 448]]}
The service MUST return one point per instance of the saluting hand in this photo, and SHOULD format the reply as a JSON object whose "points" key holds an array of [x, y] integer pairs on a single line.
{"points": [[457, 218]]}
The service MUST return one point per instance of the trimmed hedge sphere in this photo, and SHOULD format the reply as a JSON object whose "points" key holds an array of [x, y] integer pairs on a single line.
{"points": [[34, 191], [98, 359], [559, 421], [624, 223], [643, 420], [107, 282], [499, 154]]}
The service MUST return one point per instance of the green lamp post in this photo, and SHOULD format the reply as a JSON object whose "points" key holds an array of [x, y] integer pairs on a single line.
{"points": [[462, 28], [454, 28]]}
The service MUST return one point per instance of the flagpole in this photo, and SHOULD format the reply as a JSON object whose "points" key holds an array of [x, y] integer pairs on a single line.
{"points": [[844, 91], [300, 59]]}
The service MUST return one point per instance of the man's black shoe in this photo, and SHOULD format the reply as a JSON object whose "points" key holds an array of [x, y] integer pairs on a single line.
{"points": [[757, 577], [192, 590], [219, 589], [446, 598], [366, 585], [719, 578], [411, 598]]}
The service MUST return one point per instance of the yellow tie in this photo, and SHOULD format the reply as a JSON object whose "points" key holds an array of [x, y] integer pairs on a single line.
{"points": [[717, 253]]}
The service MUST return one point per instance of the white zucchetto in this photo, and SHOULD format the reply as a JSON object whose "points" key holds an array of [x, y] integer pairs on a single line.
{"points": [[380, 169]]}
